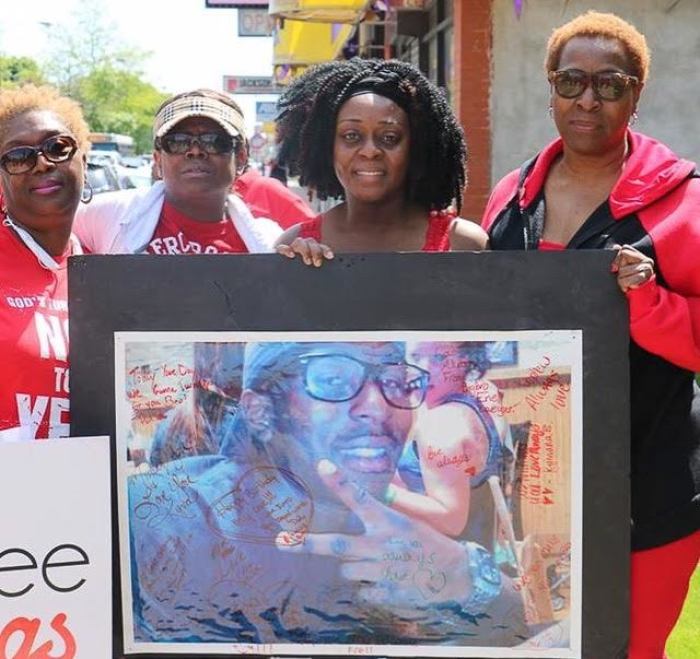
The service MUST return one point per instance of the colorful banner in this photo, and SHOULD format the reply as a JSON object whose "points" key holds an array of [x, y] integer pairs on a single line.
{"points": [[325, 11], [298, 42], [55, 550]]}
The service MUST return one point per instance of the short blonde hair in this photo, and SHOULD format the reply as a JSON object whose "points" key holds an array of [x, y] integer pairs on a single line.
{"points": [[28, 98], [606, 26]]}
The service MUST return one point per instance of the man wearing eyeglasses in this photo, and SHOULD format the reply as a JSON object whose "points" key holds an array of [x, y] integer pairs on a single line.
{"points": [[284, 536], [199, 149]]}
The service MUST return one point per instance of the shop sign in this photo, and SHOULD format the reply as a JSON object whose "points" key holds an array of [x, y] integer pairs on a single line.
{"points": [[250, 85], [253, 22]]}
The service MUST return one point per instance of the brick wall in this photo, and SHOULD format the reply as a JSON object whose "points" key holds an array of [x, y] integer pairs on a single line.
{"points": [[472, 70]]}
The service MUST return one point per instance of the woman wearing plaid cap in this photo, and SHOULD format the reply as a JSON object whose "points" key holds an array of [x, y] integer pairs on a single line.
{"points": [[199, 149]]}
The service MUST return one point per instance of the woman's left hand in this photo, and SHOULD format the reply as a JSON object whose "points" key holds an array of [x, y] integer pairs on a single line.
{"points": [[632, 268], [311, 251]]}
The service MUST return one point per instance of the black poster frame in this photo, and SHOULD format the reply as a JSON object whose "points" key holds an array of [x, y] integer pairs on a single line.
{"points": [[486, 291]]}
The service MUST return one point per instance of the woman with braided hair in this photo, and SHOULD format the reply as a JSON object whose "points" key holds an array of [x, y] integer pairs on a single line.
{"points": [[378, 135]]}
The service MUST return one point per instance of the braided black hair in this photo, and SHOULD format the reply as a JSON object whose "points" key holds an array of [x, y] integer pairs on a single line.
{"points": [[307, 117]]}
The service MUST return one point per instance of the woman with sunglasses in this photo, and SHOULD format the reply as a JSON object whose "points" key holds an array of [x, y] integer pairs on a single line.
{"points": [[600, 185], [43, 142], [199, 149], [381, 138]]}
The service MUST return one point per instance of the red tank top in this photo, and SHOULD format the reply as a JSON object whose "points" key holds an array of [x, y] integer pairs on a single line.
{"points": [[550, 246], [437, 237]]}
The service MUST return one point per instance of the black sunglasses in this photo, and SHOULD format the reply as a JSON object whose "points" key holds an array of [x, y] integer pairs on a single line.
{"points": [[607, 85], [337, 378], [23, 159], [210, 143]]}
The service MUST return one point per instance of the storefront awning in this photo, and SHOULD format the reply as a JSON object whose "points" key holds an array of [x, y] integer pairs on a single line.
{"points": [[324, 11], [285, 74], [300, 43], [407, 4]]}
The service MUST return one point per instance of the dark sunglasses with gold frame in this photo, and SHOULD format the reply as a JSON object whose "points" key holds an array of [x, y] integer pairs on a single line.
{"points": [[23, 159], [606, 85]]}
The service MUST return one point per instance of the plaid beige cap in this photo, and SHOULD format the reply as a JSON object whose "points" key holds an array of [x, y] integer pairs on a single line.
{"points": [[200, 103]]}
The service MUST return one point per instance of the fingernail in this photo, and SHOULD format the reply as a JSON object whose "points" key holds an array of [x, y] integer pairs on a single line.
{"points": [[286, 541], [326, 468]]}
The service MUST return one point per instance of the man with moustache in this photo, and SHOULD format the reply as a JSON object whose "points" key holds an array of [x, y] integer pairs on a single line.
{"points": [[284, 537]]}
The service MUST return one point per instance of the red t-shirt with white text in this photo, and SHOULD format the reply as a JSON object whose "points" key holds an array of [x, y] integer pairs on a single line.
{"points": [[33, 342], [177, 233]]}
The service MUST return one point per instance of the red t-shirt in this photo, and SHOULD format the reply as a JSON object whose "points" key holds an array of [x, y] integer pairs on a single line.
{"points": [[33, 342], [437, 235], [178, 234], [267, 197]]}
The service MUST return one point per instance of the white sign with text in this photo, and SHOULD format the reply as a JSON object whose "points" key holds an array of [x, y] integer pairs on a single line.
{"points": [[55, 549]]}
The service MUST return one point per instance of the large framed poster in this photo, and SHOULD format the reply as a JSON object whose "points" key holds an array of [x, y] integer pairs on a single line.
{"points": [[372, 459]]}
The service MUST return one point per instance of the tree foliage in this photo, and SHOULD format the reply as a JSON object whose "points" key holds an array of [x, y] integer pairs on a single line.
{"points": [[90, 62], [19, 70], [89, 40], [119, 101]]}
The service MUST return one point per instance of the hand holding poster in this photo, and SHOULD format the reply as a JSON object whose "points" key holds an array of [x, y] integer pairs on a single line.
{"points": [[55, 552]]}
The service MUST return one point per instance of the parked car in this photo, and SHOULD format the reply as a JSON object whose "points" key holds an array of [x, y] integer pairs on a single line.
{"points": [[139, 177], [102, 177], [133, 161]]}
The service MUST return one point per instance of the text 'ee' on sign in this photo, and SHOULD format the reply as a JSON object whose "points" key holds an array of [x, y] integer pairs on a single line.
{"points": [[250, 85]]}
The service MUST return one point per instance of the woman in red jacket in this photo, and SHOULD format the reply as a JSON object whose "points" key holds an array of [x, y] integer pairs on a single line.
{"points": [[601, 185]]}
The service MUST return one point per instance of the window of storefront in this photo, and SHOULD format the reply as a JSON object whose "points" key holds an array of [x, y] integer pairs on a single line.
{"points": [[425, 38], [438, 41]]}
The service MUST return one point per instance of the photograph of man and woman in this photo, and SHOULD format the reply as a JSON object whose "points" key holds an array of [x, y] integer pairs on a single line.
{"points": [[325, 491]]}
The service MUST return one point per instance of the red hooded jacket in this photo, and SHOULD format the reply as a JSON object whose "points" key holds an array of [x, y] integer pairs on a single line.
{"points": [[655, 207]]}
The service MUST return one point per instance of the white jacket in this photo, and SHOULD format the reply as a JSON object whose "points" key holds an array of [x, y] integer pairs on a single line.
{"points": [[123, 222]]}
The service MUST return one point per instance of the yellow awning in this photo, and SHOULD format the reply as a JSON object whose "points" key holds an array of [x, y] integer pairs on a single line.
{"points": [[323, 11], [285, 74], [301, 43]]}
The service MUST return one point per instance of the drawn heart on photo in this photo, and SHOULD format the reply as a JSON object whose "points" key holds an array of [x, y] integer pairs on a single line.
{"points": [[429, 582]]}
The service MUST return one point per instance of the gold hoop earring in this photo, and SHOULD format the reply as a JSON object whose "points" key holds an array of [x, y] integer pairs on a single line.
{"points": [[87, 193]]}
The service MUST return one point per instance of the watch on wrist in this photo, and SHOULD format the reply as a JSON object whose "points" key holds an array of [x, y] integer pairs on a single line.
{"points": [[485, 578]]}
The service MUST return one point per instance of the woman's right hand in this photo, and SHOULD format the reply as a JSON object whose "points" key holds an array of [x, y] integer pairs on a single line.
{"points": [[633, 269], [311, 251]]}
